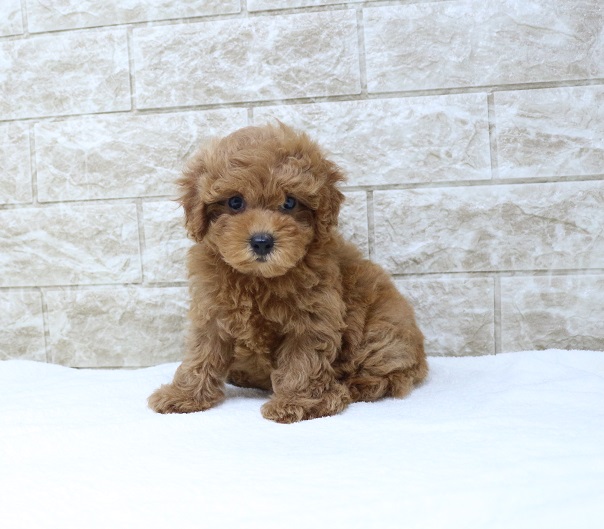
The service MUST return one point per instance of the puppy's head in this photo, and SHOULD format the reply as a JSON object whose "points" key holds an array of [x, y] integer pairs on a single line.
{"points": [[261, 197]]}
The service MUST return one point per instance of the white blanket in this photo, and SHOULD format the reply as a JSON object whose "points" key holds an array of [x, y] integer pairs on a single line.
{"points": [[508, 441]]}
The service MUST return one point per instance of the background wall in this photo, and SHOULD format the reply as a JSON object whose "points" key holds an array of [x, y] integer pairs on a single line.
{"points": [[472, 132]]}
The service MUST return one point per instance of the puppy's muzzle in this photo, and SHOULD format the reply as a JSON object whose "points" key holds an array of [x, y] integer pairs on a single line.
{"points": [[262, 244]]}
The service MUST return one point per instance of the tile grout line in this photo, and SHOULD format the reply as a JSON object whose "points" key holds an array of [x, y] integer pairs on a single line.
{"points": [[33, 167], [339, 5], [492, 124], [45, 324], [141, 240], [131, 68], [361, 47], [478, 274], [370, 225], [368, 189], [335, 98], [93, 286], [428, 277], [24, 19], [497, 314]]}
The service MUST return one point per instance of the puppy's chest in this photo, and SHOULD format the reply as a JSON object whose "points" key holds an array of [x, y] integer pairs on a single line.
{"points": [[253, 323]]}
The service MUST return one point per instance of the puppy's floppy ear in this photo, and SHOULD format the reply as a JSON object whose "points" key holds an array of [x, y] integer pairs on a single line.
{"points": [[331, 197], [310, 157], [196, 220]]}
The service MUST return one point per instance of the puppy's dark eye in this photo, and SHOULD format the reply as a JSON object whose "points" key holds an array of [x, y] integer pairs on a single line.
{"points": [[236, 203], [289, 204]]}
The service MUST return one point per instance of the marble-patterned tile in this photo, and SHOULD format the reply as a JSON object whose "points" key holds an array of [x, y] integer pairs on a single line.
{"points": [[550, 132], [70, 14], [455, 315], [166, 242], [64, 73], [69, 245], [22, 326], [390, 141], [353, 220], [506, 227], [15, 166], [11, 19], [249, 59], [122, 155], [462, 43], [555, 312], [116, 327]]}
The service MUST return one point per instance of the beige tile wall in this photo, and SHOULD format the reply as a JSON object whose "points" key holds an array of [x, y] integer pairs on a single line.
{"points": [[472, 133]]}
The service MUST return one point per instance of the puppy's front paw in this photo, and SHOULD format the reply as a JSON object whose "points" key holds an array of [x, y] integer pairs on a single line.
{"points": [[283, 410], [170, 399]]}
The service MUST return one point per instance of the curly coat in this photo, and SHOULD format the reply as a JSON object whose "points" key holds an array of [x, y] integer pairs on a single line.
{"points": [[308, 317]]}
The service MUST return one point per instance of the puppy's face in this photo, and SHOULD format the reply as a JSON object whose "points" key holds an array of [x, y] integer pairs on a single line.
{"points": [[258, 230], [260, 197]]}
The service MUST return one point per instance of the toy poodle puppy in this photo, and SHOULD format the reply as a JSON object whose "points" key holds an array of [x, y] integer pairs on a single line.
{"points": [[279, 300]]}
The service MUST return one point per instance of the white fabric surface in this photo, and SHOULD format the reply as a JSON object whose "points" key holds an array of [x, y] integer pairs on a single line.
{"points": [[507, 441]]}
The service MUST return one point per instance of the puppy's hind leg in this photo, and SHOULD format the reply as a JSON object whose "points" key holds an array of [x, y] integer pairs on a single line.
{"points": [[199, 381], [389, 365]]}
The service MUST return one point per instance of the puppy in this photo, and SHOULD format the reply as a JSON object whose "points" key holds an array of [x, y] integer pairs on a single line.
{"points": [[279, 300]]}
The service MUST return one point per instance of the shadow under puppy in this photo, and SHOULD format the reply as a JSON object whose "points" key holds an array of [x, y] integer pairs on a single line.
{"points": [[279, 300]]}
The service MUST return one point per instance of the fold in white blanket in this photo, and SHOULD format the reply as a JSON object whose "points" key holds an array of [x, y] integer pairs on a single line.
{"points": [[507, 441]]}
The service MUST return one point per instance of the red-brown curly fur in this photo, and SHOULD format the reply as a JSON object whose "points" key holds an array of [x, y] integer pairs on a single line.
{"points": [[313, 320]]}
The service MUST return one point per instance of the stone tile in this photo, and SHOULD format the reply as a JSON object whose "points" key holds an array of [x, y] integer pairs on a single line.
{"points": [[166, 242], [123, 155], [353, 220], [69, 245], [475, 43], [236, 60], [552, 312], [116, 327], [507, 227], [22, 326], [551, 132], [70, 14], [455, 315], [390, 141], [11, 21], [72, 72], [15, 170]]}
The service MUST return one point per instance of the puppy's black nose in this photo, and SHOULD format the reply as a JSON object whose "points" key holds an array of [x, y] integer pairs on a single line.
{"points": [[262, 243]]}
